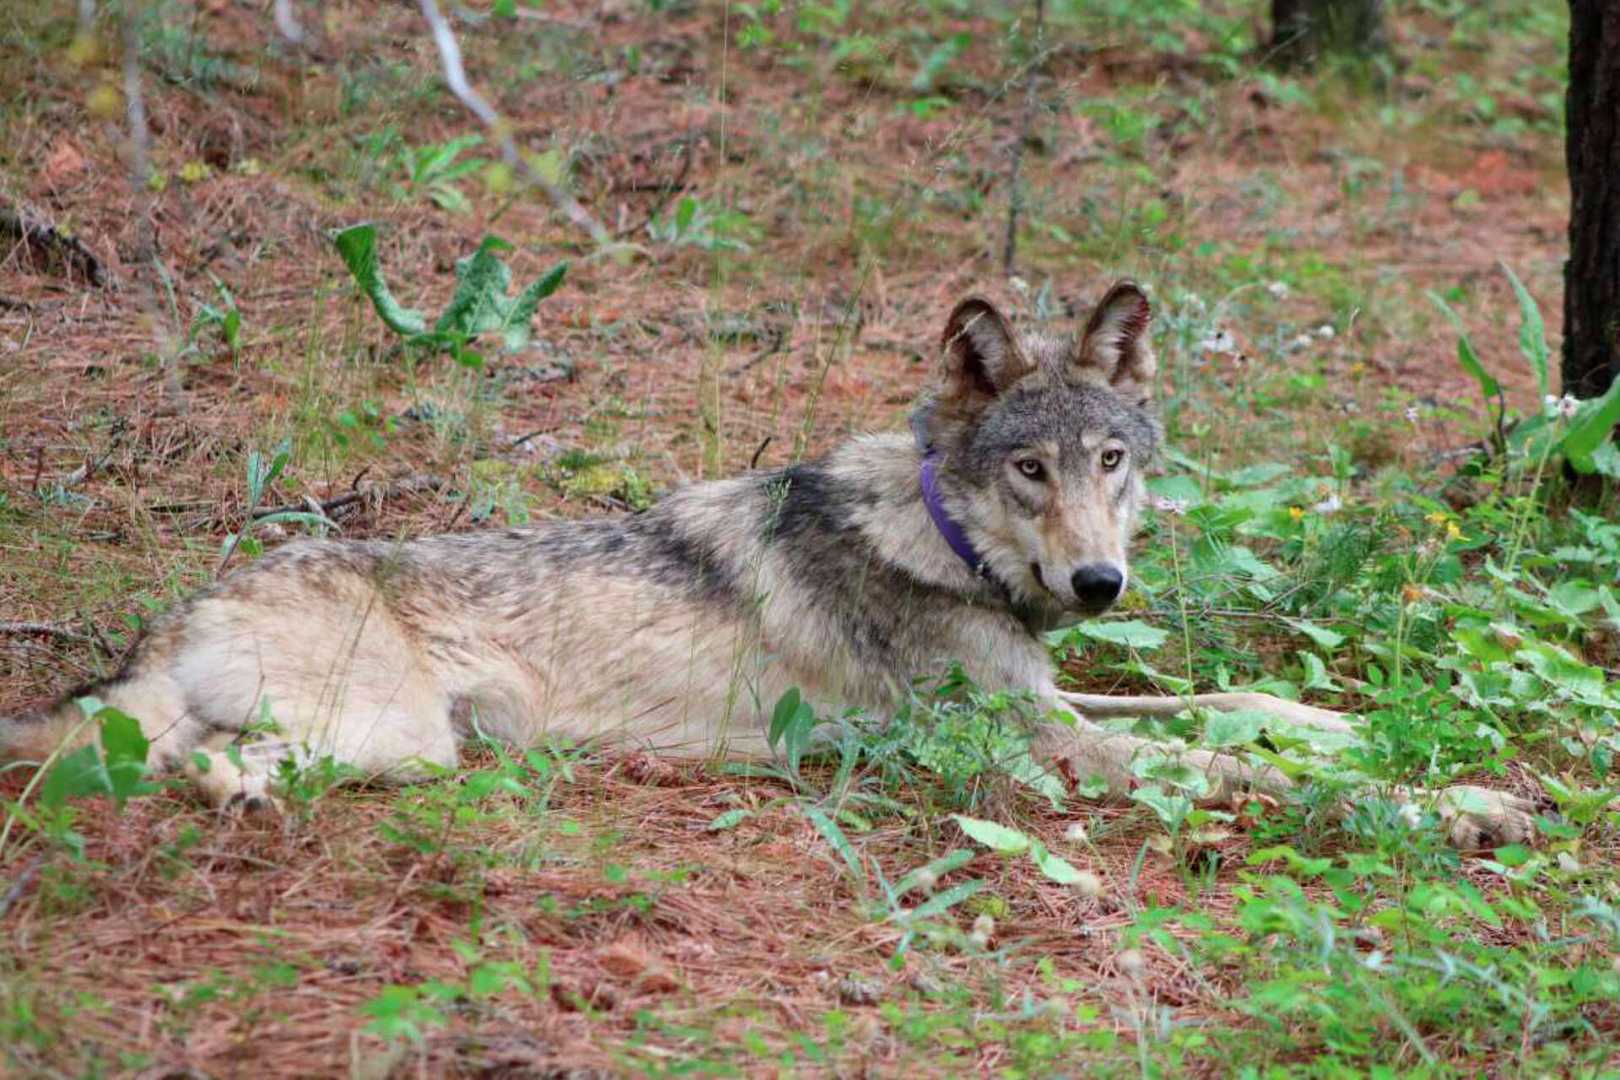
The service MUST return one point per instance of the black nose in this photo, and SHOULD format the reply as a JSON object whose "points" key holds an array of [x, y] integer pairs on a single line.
{"points": [[1098, 585]]}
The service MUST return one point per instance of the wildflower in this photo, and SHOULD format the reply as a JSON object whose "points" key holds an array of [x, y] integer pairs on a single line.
{"points": [[1297, 513], [1087, 885], [1166, 504], [1018, 283], [1279, 289], [1325, 332], [1452, 531], [1075, 833], [1435, 518], [1329, 505], [1358, 368], [1411, 592], [985, 924], [1411, 414], [1218, 342], [1568, 863], [1568, 406]]}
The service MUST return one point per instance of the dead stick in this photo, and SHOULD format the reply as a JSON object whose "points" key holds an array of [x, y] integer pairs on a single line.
{"points": [[455, 75], [1015, 195], [44, 629]]}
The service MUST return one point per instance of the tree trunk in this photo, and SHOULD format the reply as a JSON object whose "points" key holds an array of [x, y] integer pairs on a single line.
{"points": [[1302, 30], [1592, 274]]}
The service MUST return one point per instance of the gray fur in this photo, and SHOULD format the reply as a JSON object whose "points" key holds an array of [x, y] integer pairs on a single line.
{"points": [[679, 628]]}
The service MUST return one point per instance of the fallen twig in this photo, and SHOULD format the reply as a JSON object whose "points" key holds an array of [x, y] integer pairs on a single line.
{"points": [[455, 75], [45, 629], [46, 241], [1015, 195], [20, 885], [410, 485]]}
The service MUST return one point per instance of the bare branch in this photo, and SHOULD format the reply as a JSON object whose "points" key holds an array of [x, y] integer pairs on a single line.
{"points": [[287, 22], [455, 75]]}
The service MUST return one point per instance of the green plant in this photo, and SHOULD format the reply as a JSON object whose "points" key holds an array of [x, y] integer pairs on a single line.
{"points": [[479, 306], [434, 173]]}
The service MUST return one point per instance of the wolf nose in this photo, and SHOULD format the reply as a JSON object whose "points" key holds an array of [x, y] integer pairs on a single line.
{"points": [[1097, 585]]}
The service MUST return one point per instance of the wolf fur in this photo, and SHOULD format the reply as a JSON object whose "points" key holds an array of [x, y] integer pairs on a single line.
{"points": [[676, 630]]}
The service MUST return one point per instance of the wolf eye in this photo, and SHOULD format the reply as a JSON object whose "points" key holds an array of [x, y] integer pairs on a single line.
{"points": [[1032, 468], [1111, 459]]}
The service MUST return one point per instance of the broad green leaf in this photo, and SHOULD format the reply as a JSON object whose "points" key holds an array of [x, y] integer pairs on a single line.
{"points": [[1590, 429], [1298, 863], [829, 830], [998, 838], [1321, 635], [358, 246], [1513, 855], [1466, 357], [786, 706], [951, 860], [1171, 808], [1532, 334], [521, 314], [1579, 680], [1053, 866], [942, 902], [1236, 728], [730, 820], [1133, 633]]}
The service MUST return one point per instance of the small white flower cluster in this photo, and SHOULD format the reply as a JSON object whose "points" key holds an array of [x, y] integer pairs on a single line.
{"points": [[1279, 289], [1325, 332], [1167, 505], [1564, 407], [1219, 342]]}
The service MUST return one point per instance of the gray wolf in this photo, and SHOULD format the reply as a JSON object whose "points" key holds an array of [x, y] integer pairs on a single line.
{"points": [[1006, 511]]}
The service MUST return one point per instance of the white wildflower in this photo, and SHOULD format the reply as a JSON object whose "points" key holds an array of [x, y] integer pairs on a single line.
{"points": [[1087, 886], [1164, 504], [1568, 406], [1412, 414], [1329, 505], [1018, 283], [1549, 404], [1325, 332], [1075, 833], [1279, 289]]}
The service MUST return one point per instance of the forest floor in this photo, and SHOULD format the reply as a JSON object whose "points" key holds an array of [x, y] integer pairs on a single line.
{"points": [[802, 195]]}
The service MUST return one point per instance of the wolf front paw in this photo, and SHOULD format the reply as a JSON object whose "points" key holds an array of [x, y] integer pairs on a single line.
{"points": [[1478, 819]]}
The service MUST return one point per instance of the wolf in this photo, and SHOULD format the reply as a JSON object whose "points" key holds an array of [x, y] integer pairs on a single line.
{"points": [[1006, 511]]}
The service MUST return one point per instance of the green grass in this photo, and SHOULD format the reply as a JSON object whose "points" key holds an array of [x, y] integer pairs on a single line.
{"points": [[559, 908]]}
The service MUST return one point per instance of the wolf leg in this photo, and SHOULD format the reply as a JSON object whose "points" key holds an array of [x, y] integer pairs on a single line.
{"points": [[1475, 817], [1103, 705]]}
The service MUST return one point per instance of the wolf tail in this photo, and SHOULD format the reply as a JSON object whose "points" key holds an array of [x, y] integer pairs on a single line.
{"points": [[36, 734]]}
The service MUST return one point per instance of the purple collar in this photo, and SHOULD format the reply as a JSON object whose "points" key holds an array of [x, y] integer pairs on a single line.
{"points": [[948, 527]]}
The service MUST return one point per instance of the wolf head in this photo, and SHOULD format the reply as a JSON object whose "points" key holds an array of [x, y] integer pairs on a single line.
{"points": [[1042, 442]]}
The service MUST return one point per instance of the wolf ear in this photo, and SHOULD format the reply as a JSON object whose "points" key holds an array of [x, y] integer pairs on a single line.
{"points": [[1114, 348], [982, 357]]}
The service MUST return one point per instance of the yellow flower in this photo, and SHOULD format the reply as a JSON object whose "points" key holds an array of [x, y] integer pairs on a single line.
{"points": [[1452, 532], [1296, 512], [194, 172], [1436, 518]]}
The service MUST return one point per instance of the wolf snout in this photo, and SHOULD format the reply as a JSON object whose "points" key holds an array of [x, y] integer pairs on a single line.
{"points": [[1097, 586]]}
